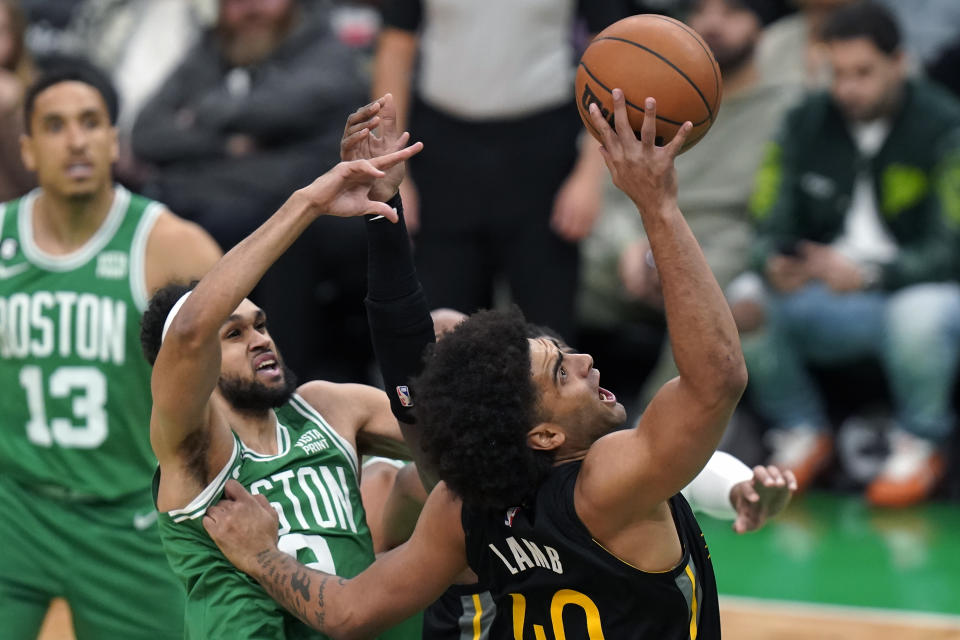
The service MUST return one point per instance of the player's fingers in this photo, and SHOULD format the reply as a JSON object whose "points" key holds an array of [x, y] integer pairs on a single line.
{"points": [[679, 139], [383, 209], [352, 140], [775, 476], [750, 492], [760, 474], [388, 114], [403, 140], [648, 130], [791, 480], [263, 502], [744, 523], [607, 137], [621, 121], [391, 159], [369, 123], [233, 490], [365, 112], [210, 523]]}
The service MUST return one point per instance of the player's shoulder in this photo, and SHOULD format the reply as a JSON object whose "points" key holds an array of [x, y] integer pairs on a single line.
{"points": [[178, 251], [170, 227], [341, 397]]}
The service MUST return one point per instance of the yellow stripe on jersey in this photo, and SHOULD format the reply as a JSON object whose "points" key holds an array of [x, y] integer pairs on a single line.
{"points": [[478, 608], [693, 605]]}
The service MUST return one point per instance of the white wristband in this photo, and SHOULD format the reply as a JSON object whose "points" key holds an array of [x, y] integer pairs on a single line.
{"points": [[709, 492]]}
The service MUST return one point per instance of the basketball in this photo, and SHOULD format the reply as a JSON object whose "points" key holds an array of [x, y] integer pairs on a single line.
{"points": [[651, 56]]}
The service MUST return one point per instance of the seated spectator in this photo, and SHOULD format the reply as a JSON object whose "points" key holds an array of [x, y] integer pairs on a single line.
{"points": [[857, 223], [253, 113], [621, 284], [791, 50], [16, 71]]}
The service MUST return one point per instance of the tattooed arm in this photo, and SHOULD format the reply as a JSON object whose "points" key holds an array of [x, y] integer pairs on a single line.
{"points": [[397, 585]]}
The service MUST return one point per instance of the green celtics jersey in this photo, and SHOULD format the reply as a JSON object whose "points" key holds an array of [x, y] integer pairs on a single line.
{"points": [[76, 387], [313, 484]]}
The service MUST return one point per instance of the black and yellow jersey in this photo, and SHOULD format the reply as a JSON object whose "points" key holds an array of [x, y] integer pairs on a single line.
{"points": [[548, 579]]}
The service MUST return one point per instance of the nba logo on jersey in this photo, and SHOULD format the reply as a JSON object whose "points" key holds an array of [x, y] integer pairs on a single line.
{"points": [[404, 394], [511, 514]]}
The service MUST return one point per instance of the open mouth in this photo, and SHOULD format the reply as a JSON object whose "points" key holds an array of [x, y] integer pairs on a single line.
{"points": [[267, 365], [606, 396]]}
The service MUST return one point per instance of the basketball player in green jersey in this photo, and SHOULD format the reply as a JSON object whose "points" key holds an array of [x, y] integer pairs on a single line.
{"points": [[78, 257], [225, 406]]}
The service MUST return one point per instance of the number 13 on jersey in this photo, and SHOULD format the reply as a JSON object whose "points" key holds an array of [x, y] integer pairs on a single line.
{"points": [[86, 387]]}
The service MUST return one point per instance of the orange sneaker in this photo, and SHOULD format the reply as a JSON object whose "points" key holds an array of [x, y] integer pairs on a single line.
{"points": [[804, 450], [910, 474]]}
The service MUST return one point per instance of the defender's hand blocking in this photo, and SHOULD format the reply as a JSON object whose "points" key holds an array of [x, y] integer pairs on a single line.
{"points": [[242, 525], [639, 168], [360, 143], [762, 497], [345, 190]]}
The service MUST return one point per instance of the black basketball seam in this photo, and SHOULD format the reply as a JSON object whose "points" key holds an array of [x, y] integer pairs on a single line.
{"points": [[697, 37], [586, 121], [659, 117], [693, 84]]}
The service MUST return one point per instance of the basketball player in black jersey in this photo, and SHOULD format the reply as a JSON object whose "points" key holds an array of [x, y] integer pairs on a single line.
{"points": [[578, 531]]}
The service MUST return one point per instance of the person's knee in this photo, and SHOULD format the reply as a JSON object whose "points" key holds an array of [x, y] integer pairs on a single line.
{"points": [[924, 316]]}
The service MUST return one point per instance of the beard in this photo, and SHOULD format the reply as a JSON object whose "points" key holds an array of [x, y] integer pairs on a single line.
{"points": [[254, 396], [731, 59]]}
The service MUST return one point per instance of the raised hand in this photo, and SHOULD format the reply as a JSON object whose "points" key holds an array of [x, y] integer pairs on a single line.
{"points": [[642, 170], [762, 497], [359, 142], [346, 190]]}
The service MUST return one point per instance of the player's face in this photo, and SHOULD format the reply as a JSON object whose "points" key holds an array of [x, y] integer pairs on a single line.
{"points": [[570, 393], [866, 81], [730, 30], [71, 145], [247, 352]]}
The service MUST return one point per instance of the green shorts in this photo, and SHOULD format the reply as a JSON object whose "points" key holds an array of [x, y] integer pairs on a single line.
{"points": [[105, 558]]}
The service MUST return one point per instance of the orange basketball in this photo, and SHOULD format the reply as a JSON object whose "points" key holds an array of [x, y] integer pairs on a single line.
{"points": [[651, 56]]}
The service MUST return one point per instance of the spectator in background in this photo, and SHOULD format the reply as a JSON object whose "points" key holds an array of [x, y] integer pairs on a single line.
{"points": [[493, 104], [857, 215], [253, 113], [621, 281], [16, 73], [791, 50]]}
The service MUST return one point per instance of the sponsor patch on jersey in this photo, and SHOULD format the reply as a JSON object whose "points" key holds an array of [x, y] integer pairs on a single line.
{"points": [[112, 265], [403, 393], [511, 514]]}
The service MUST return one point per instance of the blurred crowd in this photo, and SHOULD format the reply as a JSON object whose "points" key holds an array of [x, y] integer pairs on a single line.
{"points": [[826, 196]]}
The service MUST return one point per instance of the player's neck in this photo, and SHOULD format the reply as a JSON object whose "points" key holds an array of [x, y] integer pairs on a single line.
{"points": [[257, 430], [63, 225]]}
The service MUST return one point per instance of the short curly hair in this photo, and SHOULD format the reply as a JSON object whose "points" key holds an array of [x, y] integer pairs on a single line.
{"points": [[151, 325], [476, 401]]}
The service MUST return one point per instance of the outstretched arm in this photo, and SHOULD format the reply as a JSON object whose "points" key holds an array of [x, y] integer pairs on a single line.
{"points": [[625, 475], [397, 310], [188, 364], [394, 587]]}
